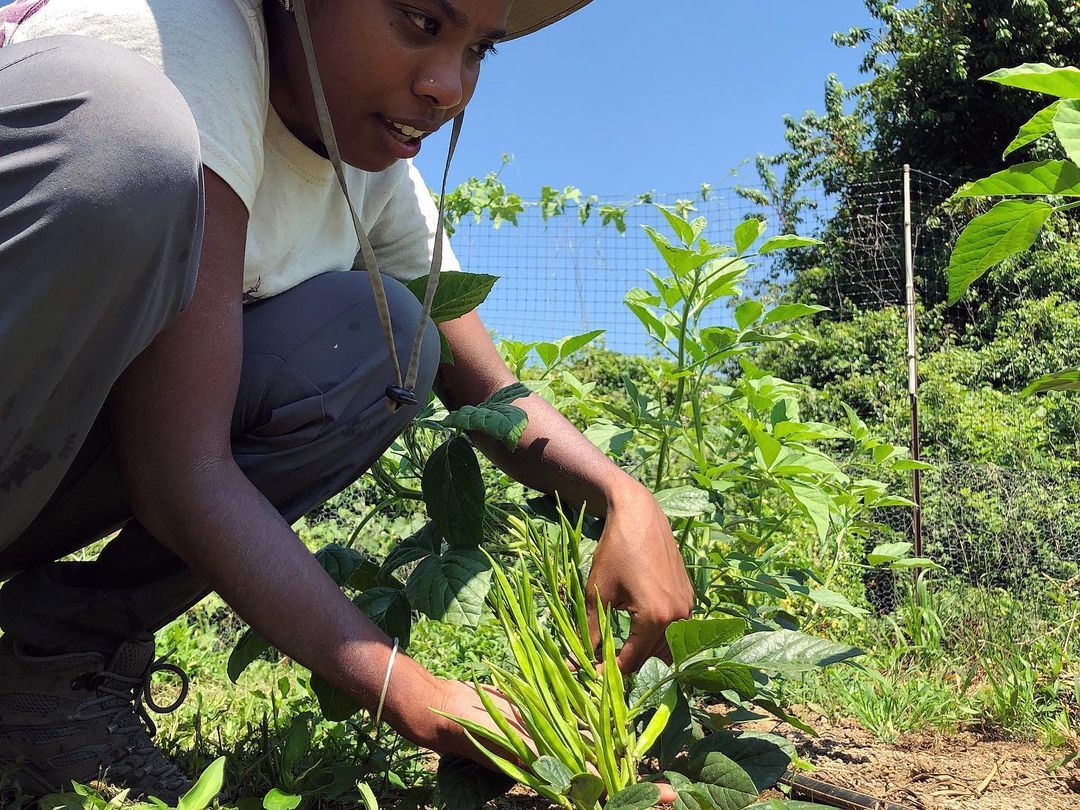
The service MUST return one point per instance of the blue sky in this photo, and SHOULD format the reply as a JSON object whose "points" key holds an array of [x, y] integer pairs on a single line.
{"points": [[627, 95]]}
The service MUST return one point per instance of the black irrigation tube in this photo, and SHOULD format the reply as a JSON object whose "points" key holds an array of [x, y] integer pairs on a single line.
{"points": [[815, 789]]}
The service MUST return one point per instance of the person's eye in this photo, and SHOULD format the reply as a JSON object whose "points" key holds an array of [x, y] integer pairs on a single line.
{"points": [[484, 50], [422, 21]]}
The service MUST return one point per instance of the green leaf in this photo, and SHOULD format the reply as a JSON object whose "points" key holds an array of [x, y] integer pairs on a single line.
{"points": [[503, 422], [1010, 227], [206, 789], [1067, 127], [297, 742], [389, 610], [454, 493], [1063, 82], [748, 312], [1068, 380], [814, 502], [688, 637], [652, 673], [457, 294], [573, 343], [747, 233], [715, 676], [609, 437], [636, 797], [1038, 178], [467, 785], [277, 800], [412, 549], [553, 772], [508, 394], [1042, 123], [887, 552], [451, 588], [763, 756], [787, 242], [790, 312], [340, 562], [367, 796], [585, 789], [250, 646], [832, 599], [685, 501], [787, 651], [727, 784]]}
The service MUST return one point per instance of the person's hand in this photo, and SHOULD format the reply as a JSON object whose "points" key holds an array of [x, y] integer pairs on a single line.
{"points": [[459, 699], [638, 568]]}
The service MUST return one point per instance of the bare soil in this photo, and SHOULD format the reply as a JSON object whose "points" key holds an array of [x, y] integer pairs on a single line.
{"points": [[936, 772]]}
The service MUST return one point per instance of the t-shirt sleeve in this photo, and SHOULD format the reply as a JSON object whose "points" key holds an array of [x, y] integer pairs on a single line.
{"points": [[403, 236], [212, 50]]}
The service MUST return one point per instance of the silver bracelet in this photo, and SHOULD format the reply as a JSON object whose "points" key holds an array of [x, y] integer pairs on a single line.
{"points": [[385, 684]]}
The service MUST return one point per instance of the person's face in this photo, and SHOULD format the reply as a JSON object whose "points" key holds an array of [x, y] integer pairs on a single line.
{"points": [[393, 71]]}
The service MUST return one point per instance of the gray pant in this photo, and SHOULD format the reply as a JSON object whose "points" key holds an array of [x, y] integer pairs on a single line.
{"points": [[100, 228]]}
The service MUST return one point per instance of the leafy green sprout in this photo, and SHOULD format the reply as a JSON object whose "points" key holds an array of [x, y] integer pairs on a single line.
{"points": [[571, 704]]}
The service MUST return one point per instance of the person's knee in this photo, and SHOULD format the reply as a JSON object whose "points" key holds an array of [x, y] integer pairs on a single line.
{"points": [[130, 159]]}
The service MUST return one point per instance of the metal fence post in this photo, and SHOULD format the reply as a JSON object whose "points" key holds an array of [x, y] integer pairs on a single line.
{"points": [[913, 366]]}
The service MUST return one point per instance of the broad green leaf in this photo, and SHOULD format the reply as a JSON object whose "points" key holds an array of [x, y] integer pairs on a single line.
{"points": [[1068, 380], [1063, 82], [887, 552], [1037, 178], [451, 588], [685, 501], [553, 772], [636, 797], [585, 789], [832, 599], [609, 437], [748, 312], [787, 242], [250, 646], [915, 562], [790, 312], [335, 705], [297, 742], [278, 800], [747, 233], [467, 785], [205, 789], [1042, 123], [652, 673], [454, 493], [511, 393], [1010, 227], [389, 610], [412, 549], [720, 676], [727, 784], [569, 345], [1067, 127], [503, 422], [767, 445], [340, 562], [907, 464], [814, 502], [787, 651], [688, 637], [457, 294], [763, 756]]}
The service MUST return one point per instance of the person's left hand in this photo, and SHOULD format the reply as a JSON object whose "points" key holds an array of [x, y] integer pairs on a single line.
{"points": [[638, 568]]}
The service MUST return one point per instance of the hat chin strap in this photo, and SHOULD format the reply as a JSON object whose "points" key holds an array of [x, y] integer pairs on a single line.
{"points": [[402, 390]]}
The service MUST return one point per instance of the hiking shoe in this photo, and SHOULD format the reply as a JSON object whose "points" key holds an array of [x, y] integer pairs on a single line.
{"points": [[74, 717]]}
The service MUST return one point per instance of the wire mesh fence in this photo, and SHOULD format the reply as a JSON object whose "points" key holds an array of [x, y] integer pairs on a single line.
{"points": [[990, 527]]}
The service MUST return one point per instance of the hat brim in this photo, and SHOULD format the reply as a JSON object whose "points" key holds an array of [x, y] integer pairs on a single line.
{"points": [[529, 16]]}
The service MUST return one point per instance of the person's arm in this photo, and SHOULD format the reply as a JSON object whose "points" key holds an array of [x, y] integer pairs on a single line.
{"points": [[171, 413], [637, 566]]}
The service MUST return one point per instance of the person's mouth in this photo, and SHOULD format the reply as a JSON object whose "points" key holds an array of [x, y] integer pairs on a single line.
{"points": [[405, 136]]}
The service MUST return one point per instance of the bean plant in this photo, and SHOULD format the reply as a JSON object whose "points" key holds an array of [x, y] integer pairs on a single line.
{"points": [[1037, 191]]}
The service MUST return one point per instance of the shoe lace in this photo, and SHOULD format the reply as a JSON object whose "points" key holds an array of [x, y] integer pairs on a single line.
{"points": [[124, 701]]}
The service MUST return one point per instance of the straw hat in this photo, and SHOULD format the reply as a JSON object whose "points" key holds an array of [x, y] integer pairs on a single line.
{"points": [[528, 16]]}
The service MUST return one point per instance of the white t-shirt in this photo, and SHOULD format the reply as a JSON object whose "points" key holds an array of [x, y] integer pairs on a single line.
{"points": [[215, 52]]}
